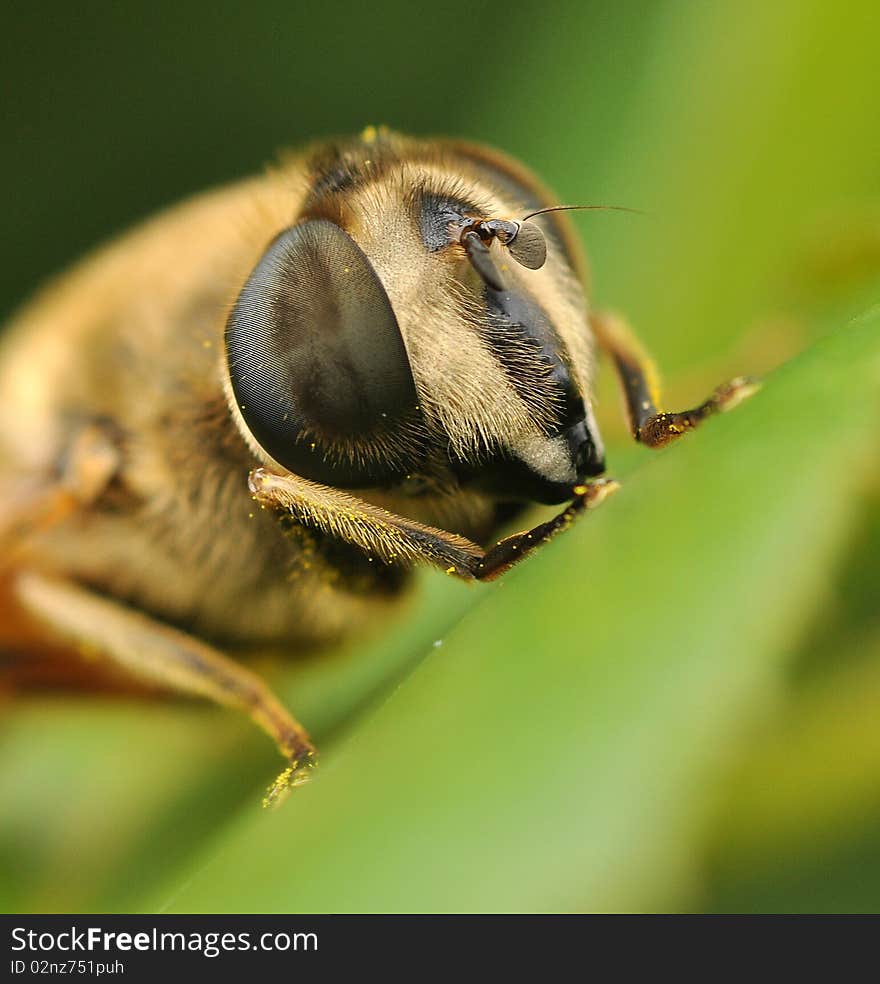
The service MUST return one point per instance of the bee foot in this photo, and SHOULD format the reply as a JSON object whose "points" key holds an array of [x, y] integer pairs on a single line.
{"points": [[594, 493], [731, 394], [296, 774]]}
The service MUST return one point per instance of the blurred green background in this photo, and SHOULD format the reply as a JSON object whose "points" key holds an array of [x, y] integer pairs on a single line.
{"points": [[673, 707]]}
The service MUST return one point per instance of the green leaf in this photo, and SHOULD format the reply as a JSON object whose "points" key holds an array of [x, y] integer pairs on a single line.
{"points": [[559, 749]]}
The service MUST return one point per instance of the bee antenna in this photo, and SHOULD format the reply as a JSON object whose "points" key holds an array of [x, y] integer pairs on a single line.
{"points": [[582, 208]]}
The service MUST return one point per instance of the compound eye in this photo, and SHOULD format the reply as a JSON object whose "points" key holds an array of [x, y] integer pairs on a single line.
{"points": [[317, 363], [528, 247]]}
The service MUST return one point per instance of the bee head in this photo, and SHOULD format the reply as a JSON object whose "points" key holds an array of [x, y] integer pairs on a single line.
{"points": [[406, 326]]}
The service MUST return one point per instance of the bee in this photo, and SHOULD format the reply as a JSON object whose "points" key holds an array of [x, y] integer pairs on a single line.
{"points": [[240, 426]]}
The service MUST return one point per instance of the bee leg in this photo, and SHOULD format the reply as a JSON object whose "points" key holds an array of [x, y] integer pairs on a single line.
{"points": [[160, 654], [33, 504], [641, 387], [513, 549], [396, 539]]}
